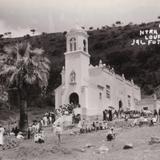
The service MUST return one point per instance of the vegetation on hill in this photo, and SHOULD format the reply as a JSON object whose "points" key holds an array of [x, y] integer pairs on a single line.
{"points": [[112, 45]]}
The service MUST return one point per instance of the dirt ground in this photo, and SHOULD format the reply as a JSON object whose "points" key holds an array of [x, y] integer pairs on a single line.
{"points": [[73, 146]]}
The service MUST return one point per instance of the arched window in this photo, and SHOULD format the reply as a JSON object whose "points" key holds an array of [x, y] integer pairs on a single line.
{"points": [[84, 45], [72, 44], [72, 77]]}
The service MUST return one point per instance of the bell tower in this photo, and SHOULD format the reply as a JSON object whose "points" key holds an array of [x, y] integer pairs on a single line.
{"points": [[77, 40], [77, 58]]}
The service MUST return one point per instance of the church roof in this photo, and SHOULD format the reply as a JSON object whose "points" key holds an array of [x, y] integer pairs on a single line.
{"points": [[77, 29]]}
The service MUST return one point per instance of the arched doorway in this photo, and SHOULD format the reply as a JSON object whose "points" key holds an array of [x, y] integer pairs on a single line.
{"points": [[120, 104], [74, 98]]}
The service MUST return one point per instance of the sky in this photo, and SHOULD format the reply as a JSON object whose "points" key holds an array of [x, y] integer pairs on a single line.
{"points": [[20, 16]]}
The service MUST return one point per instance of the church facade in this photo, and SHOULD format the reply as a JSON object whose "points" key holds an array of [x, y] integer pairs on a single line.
{"points": [[94, 88]]}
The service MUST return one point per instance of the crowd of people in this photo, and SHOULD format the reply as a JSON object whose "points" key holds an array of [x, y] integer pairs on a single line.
{"points": [[36, 129], [111, 114], [87, 126]]}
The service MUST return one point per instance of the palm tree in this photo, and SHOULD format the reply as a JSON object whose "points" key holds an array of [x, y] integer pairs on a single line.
{"points": [[23, 67], [33, 31]]}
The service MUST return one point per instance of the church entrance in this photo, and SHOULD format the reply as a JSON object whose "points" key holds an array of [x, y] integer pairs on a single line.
{"points": [[74, 101], [74, 98], [120, 104]]}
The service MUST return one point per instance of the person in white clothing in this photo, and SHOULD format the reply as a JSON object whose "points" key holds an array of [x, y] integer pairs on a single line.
{"points": [[45, 119], [58, 132], [1, 135]]}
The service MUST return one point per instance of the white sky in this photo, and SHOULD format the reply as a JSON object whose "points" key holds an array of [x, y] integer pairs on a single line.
{"points": [[19, 16]]}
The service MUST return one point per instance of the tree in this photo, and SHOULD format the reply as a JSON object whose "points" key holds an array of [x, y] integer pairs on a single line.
{"points": [[1, 36], [21, 69], [118, 23], [33, 31], [27, 36]]}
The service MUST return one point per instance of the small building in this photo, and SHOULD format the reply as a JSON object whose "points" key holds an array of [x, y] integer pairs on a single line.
{"points": [[150, 103], [93, 88]]}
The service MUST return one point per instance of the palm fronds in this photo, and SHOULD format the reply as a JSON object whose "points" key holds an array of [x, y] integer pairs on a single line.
{"points": [[21, 63]]}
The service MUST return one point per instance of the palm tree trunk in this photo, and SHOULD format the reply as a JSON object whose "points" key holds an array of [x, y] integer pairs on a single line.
{"points": [[23, 122]]}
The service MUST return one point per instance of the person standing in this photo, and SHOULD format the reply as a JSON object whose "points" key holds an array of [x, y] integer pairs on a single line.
{"points": [[110, 115], [159, 115], [104, 115], [1, 135], [58, 132], [45, 119]]}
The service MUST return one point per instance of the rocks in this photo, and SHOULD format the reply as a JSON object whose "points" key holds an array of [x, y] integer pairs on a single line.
{"points": [[79, 149], [66, 151], [128, 146], [72, 133], [89, 145], [9, 145], [154, 140], [102, 149]]}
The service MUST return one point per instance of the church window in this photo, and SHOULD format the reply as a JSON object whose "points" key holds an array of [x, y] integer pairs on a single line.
{"points": [[72, 44], [108, 91], [72, 77], [84, 45], [129, 101]]}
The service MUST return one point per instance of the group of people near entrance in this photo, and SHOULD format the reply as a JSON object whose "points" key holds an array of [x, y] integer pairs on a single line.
{"points": [[87, 126], [110, 114]]}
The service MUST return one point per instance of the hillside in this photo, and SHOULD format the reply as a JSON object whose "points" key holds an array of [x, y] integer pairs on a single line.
{"points": [[112, 45]]}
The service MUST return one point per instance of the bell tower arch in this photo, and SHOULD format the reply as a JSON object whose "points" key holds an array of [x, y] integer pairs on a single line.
{"points": [[77, 40]]}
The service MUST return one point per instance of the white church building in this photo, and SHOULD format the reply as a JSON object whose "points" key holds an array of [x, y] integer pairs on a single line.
{"points": [[94, 88]]}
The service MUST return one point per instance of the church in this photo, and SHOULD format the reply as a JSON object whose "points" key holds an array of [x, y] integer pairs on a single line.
{"points": [[92, 88]]}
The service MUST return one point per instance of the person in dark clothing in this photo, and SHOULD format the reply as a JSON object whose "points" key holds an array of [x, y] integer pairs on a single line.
{"points": [[155, 113], [159, 115], [104, 116], [16, 130], [110, 115], [29, 133], [94, 125]]}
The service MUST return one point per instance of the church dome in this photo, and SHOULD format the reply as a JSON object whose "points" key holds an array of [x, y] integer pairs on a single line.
{"points": [[77, 29]]}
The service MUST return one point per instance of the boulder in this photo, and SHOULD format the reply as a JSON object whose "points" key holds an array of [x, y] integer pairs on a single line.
{"points": [[88, 145], [154, 140], [128, 146], [102, 149]]}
